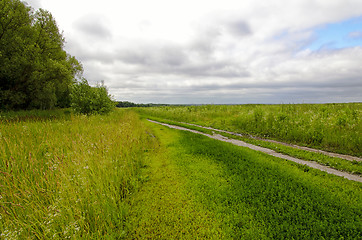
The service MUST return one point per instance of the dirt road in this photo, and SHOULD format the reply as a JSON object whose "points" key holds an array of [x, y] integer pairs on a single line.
{"points": [[269, 151], [346, 157]]}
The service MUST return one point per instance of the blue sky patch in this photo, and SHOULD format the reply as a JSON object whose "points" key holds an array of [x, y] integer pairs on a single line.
{"points": [[343, 34]]}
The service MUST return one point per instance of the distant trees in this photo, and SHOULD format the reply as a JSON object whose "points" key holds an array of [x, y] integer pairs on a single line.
{"points": [[126, 104], [35, 70]]}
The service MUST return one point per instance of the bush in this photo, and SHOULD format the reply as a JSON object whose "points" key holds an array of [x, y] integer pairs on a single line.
{"points": [[91, 100]]}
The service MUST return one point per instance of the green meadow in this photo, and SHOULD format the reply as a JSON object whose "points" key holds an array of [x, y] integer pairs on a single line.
{"points": [[118, 176]]}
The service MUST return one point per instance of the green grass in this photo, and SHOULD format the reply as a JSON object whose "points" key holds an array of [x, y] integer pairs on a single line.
{"points": [[353, 167], [119, 177], [259, 196], [246, 194], [331, 127], [164, 208], [69, 178]]}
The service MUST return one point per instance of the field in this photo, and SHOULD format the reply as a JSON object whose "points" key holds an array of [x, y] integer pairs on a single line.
{"points": [[332, 127], [64, 176]]}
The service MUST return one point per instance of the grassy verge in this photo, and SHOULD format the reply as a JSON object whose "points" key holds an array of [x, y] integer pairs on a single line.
{"points": [[68, 178], [163, 208], [353, 167]]}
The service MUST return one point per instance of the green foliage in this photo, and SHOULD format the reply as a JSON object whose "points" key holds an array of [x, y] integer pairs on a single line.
{"points": [[35, 70], [126, 104], [91, 100]]}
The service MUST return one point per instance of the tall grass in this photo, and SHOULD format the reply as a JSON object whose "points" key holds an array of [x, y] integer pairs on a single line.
{"points": [[69, 178], [333, 127], [35, 115]]}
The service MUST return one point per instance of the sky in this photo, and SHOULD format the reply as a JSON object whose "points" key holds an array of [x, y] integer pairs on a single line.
{"points": [[216, 52]]}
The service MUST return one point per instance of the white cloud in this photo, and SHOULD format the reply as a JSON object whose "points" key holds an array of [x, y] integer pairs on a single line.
{"points": [[211, 51]]}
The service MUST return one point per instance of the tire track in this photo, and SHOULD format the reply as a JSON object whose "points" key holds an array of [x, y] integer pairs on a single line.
{"points": [[346, 157], [268, 151]]}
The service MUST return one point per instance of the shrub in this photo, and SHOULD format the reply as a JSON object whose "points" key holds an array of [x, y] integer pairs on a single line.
{"points": [[91, 100]]}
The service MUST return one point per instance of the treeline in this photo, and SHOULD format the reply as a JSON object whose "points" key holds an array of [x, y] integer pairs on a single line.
{"points": [[126, 104], [36, 72]]}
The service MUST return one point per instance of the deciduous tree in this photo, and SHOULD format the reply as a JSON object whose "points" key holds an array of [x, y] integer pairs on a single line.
{"points": [[35, 72]]}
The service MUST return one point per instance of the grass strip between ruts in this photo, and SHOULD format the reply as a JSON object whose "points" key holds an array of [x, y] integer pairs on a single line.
{"points": [[353, 167]]}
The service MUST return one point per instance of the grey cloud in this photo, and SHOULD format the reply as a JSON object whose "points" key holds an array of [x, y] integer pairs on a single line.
{"points": [[236, 85], [239, 28], [252, 95], [94, 76], [215, 67], [205, 40], [192, 59], [335, 85], [173, 56], [93, 26], [340, 83], [89, 54], [156, 57], [304, 79], [222, 69], [135, 56], [316, 88], [195, 58], [239, 96], [175, 61]]}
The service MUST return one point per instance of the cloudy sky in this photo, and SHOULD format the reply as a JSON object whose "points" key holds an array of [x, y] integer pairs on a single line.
{"points": [[218, 51]]}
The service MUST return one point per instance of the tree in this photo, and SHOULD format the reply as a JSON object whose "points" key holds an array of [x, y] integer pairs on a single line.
{"points": [[15, 46], [91, 100], [55, 70], [35, 71]]}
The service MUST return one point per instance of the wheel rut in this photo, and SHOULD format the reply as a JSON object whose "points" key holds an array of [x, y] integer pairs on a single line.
{"points": [[267, 151], [331, 154]]}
